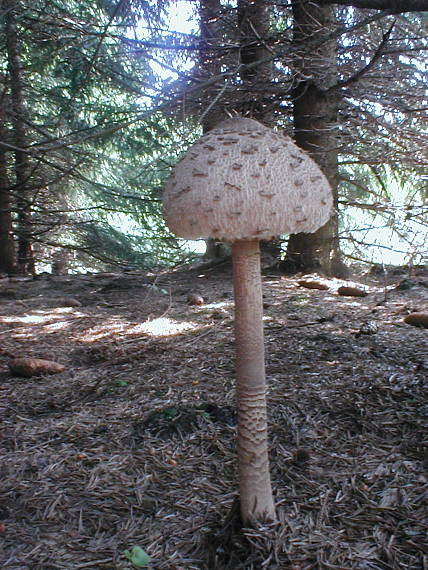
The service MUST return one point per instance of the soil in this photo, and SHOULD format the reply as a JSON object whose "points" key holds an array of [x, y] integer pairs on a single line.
{"points": [[134, 443]]}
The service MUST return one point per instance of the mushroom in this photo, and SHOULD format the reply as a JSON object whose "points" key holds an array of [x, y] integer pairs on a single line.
{"points": [[243, 182]]}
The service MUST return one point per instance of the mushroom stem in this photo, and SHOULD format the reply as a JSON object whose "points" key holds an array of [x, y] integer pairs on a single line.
{"points": [[253, 461]]}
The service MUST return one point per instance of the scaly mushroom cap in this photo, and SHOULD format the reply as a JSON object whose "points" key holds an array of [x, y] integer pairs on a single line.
{"points": [[241, 180]]}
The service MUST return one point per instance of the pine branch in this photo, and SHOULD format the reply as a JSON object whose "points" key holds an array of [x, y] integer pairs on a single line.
{"points": [[376, 56], [390, 6], [102, 38]]}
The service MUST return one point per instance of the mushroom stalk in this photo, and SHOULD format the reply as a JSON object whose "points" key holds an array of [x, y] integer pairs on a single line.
{"points": [[253, 461]]}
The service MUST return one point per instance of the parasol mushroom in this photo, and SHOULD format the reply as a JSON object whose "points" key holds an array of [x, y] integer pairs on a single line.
{"points": [[243, 182]]}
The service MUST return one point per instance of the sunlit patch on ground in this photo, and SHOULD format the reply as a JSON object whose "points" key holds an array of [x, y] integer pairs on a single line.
{"points": [[160, 327], [164, 326], [53, 320], [50, 320], [41, 317], [221, 305]]}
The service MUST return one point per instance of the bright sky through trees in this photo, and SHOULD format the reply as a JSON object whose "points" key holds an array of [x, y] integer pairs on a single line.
{"points": [[181, 14], [180, 19]]}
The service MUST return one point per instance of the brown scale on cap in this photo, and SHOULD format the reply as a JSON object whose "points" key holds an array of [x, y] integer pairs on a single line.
{"points": [[260, 171]]}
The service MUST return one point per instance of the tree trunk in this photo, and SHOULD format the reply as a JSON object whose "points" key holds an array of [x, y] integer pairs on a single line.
{"points": [[253, 462], [253, 29], [7, 249], [22, 163], [209, 60], [210, 66], [315, 111], [253, 20], [257, 102]]}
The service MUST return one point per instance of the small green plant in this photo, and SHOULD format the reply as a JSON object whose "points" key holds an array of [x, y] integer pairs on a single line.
{"points": [[137, 556], [121, 383], [170, 413]]}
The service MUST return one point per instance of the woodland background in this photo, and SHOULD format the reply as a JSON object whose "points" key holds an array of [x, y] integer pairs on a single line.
{"points": [[133, 441], [99, 99]]}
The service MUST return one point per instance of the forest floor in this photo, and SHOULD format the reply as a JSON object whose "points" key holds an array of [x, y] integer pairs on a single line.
{"points": [[134, 443]]}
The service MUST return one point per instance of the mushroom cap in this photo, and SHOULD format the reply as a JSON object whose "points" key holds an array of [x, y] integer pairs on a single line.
{"points": [[242, 180]]}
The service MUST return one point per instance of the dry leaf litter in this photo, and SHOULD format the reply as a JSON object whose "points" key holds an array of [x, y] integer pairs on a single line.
{"points": [[134, 443]]}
